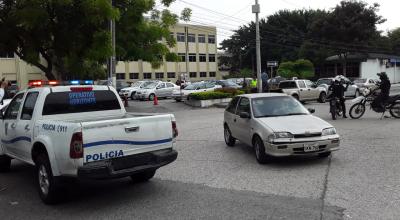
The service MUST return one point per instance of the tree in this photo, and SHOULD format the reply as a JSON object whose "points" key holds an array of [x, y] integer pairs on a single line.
{"points": [[394, 39], [350, 27], [301, 69], [71, 38]]}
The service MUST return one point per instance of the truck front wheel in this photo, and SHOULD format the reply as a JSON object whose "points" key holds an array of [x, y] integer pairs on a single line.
{"points": [[47, 184], [5, 163], [143, 176]]}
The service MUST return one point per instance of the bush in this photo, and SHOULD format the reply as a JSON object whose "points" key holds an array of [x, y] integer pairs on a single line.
{"points": [[218, 94]]}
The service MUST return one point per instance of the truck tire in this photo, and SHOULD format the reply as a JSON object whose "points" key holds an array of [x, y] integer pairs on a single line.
{"points": [[5, 163], [143, 176], [259, 149], [48, 185], [296, 97]]}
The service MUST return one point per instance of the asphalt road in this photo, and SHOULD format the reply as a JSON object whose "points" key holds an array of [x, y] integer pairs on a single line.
{"points": [[212, 181]]}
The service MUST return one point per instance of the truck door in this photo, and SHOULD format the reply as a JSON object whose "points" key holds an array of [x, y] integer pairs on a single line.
{"points": [[303, 90], [313, 92], [25, 125], [9, 135]]}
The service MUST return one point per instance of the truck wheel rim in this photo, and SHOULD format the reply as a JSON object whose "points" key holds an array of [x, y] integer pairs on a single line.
{"points": [[43, 180]]}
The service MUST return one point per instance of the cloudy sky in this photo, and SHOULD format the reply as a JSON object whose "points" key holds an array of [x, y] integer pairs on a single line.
{"points": [[227, 15]]}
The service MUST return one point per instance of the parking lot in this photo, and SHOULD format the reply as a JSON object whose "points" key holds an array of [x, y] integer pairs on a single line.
{"points": [[210, 180]]}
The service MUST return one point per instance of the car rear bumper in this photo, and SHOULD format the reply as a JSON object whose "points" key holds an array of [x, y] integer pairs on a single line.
{"points": [[298, 148], [126, 166]]}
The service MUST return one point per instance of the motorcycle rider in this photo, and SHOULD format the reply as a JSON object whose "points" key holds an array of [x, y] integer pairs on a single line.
{"points": [[338, 88], [384, 86]]}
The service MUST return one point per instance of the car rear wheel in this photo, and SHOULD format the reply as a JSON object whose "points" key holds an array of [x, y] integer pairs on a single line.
{"points": [[143, 176], [5, 163], [151, 97], [259, 149], [357, 93], [132, 96], [229, 140]]}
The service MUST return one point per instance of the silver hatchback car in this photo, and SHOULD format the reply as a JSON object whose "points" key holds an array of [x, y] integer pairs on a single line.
{"points": [[277, 125]]}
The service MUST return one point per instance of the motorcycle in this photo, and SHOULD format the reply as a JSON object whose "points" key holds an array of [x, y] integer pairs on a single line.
{"points": [[335, 107], [357, 110]]}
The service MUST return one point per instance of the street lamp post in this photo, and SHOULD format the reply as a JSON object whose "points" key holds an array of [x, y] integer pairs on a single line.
{"points": [[256, 10], [112, 61]]}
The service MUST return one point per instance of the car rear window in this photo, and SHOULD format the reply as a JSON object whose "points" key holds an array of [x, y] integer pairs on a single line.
{"points": [[288, 85], [80, 101]]}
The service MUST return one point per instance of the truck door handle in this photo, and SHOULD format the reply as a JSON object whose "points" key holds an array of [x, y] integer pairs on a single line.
{"points": [[234, 120], [301, 90], [13, 125], [132, 129], [27, 128]]}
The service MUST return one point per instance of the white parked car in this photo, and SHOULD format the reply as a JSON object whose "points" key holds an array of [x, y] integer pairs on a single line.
{"points": [[82, 132], [366, 83], [277, 125], [180, 94], [352, 90], [159, 89], [130, 92]]}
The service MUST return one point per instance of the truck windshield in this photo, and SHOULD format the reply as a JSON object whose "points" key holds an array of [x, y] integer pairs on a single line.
{"points": [[82, 101]]}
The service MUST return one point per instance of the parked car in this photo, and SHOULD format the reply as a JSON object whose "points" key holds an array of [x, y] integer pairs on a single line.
{"points": [[227, 84], [159, 89], [82, 132], [365, 83], [303, 90], [12, 90], [120, 84], [277, 125], [181, 94], [131, 90], [352, 90]]}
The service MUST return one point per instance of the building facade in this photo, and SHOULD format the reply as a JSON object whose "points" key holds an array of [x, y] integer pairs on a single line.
{"points": [[196, 45], [197, 48]]}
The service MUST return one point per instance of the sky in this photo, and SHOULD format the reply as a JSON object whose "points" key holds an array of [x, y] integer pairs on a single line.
{"points": [[228, 15]]}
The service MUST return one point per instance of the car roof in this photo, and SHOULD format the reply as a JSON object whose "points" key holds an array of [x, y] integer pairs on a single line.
{"points": [[262, 95]]}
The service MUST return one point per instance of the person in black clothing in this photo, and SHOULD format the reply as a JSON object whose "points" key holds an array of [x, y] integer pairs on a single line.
{"points": [[379, 102], [337, 87]]}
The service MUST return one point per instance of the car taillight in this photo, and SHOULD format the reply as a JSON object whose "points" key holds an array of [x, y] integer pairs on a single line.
{"points": [[76, 146], [174, 129]]}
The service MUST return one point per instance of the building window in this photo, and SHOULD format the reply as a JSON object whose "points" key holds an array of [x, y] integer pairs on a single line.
{"points": [[191, 38], [120, 75], [172, 34], [213, 74], [133, 75], [211, 58], [159, 75], [203, 74], [182, 56], [201, 38], [193, 74], [202, 58], [171, 75], [6, 54], [192, 57], [180, 37], [211, 39], [146, 75]]}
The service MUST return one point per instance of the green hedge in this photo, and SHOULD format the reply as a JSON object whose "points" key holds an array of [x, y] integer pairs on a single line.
{"points": [[218, 94]]}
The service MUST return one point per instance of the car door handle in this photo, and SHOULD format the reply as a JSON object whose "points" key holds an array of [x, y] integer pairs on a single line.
{"points": [[13, 125], [27, 128], [132, 129]]}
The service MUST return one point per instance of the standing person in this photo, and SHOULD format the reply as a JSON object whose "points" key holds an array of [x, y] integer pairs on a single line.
{"points": [[337, 87], [379, 101], [3, 87], [264, 80]]}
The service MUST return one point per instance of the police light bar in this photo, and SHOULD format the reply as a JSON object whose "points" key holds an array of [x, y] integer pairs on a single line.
{"points": [[74, 82]]}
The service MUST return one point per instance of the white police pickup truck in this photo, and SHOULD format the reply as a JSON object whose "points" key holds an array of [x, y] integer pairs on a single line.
{"points": [[83, 132]]}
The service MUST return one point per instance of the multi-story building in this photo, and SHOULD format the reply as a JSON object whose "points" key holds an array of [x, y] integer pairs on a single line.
{"points": [[197, 48], [196, 45]]}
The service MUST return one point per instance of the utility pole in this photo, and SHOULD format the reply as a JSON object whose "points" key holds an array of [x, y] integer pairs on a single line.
{"points": [[256, 10], [112, 61]]}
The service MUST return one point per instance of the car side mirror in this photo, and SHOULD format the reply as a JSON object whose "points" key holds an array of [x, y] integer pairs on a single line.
{"points": [[244, 115], [311, 110]]}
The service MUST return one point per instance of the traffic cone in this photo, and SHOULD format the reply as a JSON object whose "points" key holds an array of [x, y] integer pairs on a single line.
{"points": [[155, 101], [126, 101]]}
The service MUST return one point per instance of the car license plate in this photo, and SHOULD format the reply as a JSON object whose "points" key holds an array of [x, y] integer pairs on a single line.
{"points": [[311, 147]]}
